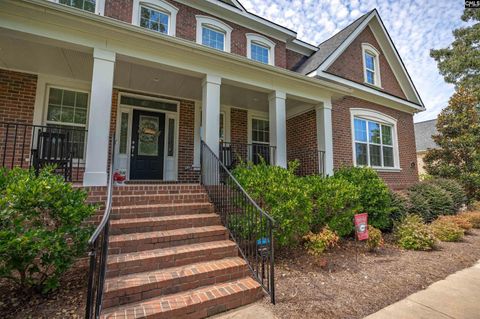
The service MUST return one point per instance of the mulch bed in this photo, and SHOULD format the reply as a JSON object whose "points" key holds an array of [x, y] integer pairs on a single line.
{"points": [[338, 287]]}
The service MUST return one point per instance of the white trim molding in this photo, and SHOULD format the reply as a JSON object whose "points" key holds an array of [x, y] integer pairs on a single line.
{"points": [[262, 41], [159, 5], [371, 50], [381, 118], [217, 25]]}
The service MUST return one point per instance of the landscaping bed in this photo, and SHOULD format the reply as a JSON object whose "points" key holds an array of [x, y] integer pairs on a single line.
{"points": [[335, 286]]}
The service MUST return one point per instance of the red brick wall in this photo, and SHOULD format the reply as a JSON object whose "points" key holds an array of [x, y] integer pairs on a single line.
{"points": [[17, 101], [349, 64], [119, 9], [342, 140], [239, 126], [302, 142], [294, 59]]}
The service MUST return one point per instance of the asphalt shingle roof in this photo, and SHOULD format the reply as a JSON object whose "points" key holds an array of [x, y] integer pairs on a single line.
{"points": [[423, 135]]}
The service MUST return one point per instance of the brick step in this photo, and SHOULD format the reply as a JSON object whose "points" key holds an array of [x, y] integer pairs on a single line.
{"points": [[145, 189], [198, 303], [128, 243], [156, 210], [148, 199], [141, 286], [129, 263], [148, 224]]}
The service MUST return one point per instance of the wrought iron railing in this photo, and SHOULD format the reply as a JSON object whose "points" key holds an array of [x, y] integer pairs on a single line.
{"points": [[231, 154], [249, 226], [25, 145], [311, 160], [98, 245]]}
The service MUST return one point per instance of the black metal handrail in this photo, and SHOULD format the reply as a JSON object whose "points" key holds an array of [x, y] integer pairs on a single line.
{"points": [[232, 154], [27, 145], [311, 160], [249, 226], [98, 245]]}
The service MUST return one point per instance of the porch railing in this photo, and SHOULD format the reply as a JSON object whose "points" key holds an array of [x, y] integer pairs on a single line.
{"points": [[98, 245], [249, 226], [231, 154], [25, 145], [311, 160]]}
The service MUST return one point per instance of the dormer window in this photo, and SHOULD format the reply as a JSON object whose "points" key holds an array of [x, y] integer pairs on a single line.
{"points": [[371, 65], [260, 48], [156, 15], [213, 33]]}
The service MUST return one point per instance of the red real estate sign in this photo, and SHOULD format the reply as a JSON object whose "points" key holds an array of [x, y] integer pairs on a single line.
{"points": [[361, 226]]}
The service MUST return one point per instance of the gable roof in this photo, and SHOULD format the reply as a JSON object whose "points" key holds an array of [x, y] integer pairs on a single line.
{"points": [[234, 3], [423, 135]]}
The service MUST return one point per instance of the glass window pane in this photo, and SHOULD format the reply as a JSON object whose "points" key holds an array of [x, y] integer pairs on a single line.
{"points": [[360, 130], [374, 132], [222, 129], [68, 106], [213, 38], [369, 61], [68, 98], [82, 100], [388, 156], [87, 5], [80, 116], [171, 137], [123, 133], [148, 135], [259, 53], [370, 77], [55, 96], [386, 135], [361, 153], [154, 20], [67, 114], [375, 155], [54, 113]]}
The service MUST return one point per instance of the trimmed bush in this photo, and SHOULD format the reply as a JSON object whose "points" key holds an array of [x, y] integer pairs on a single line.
{"points": [[447, 230], [473, 218], [282, 195], [460, 220], [375, 239], [42, 227], [400, 205], [316, 244], [375, 196], [335, 201], [430, 201], [459, 196], [412, 233]]}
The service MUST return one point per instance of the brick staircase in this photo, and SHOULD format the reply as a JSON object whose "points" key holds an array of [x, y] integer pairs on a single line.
{"points": [[170, 257]]}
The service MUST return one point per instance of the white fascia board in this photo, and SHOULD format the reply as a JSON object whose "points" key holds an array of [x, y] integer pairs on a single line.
{"points": [[366, 89], [301, 47]]}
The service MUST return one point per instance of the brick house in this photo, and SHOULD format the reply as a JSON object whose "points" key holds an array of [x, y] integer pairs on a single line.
{"points": [[163, 75]]}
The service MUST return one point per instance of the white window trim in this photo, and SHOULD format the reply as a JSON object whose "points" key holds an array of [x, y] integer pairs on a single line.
{"points": [[99, 6], [158, 5], [368, 48], [264, 41], [215, 24], [380, 118]]}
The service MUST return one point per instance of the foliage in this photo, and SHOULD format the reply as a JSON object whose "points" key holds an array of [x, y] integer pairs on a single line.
{"points": [[375, 239], [455, 189], [281, 194], [473, 218], [458, 138], [460, 62], [412, 233], [42, 227], [400, 205], [335, 202], [447, 230], [460, 220], [430, 201], [375, 196], [316, 244]]}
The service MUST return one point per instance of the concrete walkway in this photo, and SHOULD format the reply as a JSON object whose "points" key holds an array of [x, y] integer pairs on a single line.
{"points": [[457, 296]]}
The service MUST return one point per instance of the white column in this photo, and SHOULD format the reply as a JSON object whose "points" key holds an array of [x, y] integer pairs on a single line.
{"points": [[325, 134], [211, 111], [278, 126], [99, 118]]}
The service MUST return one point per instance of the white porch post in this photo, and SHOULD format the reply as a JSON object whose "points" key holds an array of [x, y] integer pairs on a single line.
{"points": [[99, 118], [278, 126], [211, 111], [325, 134]]}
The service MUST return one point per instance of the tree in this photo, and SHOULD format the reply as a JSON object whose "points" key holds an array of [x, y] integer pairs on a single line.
{"points": [[458, 155], [460, 62]]}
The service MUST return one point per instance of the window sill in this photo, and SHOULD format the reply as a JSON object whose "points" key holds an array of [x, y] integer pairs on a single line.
{"points": [[388, 169], [373, 85]]}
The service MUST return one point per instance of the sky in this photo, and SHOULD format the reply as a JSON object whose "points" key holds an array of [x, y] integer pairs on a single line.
{"points": [[416, 26]]}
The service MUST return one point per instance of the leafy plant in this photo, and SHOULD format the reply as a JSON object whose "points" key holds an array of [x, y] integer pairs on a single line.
{"points": [[459, 197], [460, 220], [375, 239], [412, 233], [430, 201], [335, 202], [318, 243], [473, 218], [401, 205], [42, 227], [447, 230], [374, 197]]}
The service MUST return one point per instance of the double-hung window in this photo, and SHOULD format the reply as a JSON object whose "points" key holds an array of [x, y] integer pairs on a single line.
{"points": [[87, 5], [156, 15], [213, 33], [154, 19], [260, 141], [371, 65], [212, 37], [260, 48]]}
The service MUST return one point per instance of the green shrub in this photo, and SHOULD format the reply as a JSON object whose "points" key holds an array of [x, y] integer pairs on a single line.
{"points": [[447, 230], [459, 196], [400, 205], [412, 233], [316, 244], [282, 195], [42, 227], [335, 202], [375, 238], [375, 196], [430, 201]]}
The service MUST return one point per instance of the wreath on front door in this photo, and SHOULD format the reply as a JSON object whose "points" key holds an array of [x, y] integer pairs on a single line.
{"points": [[148, 131]]}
